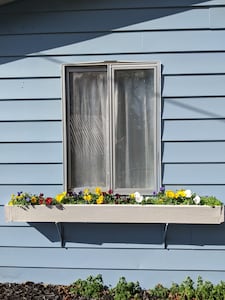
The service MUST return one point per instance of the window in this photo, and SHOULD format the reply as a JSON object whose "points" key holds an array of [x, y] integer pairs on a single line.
{"points": [[112, 126]]}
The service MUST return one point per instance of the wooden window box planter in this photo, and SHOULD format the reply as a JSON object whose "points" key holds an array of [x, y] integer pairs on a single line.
{"points": [[107, 213]]}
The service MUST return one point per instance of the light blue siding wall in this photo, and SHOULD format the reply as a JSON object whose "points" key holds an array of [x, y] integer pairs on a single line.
{"points": [[36, 38]]}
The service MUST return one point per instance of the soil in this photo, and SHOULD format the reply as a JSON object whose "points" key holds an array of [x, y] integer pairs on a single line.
{"points": [[34, 291], [40, 291]]}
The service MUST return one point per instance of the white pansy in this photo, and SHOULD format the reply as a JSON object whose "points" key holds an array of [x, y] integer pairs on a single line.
{"points": [[188, 193], [138, 197], [197, 199]]}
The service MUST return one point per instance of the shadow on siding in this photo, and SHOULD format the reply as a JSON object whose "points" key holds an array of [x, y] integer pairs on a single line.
{"points": [[31, 27], [134, 235]]}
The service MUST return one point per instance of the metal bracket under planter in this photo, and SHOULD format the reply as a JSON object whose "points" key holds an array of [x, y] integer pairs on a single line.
{"points": [[186, 214], [106, 213]]}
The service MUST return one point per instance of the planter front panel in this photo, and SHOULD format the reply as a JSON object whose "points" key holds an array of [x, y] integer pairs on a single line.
{"points": [[186, 214]]}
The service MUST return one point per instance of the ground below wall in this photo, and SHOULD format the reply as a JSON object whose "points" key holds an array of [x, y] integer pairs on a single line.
{"points": [[34, 291]]}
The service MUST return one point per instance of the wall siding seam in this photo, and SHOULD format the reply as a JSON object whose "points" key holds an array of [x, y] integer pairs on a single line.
{"points": [[186, 7], [26, 99], [73, 10], [191, 119], [32, 142], [116, 269], [40, 55], [30, 121], [112, 31], [165, 73], [33, 184]]}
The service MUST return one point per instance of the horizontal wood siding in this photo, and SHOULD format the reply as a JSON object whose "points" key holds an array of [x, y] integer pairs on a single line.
{"points": [[120, 259], [89, 43], [32, 88], [40, 131], [37, 38], [12, 153], [30, 110], [194, 130], [194, 108], [138, 20], [173, 63], [127, 4], [31, 173], [193, 152]]}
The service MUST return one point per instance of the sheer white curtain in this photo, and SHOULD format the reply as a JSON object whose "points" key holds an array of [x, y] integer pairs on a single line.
{"points": [[134, 128], [88, 137]]}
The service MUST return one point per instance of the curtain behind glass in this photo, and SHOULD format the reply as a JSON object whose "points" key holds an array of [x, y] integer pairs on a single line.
{"points": [[134, 128], [88, 129]]}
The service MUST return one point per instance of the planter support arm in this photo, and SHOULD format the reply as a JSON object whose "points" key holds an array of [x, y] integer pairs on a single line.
{"points": [[166, 227], [59, 227]]}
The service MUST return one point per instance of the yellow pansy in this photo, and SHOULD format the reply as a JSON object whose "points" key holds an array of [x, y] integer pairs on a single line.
{"points": [[180, 193], [170, 194], [132, 196], [33, 200], [87, 197], [100, 199], [11, 202], [60, 197], [86, 191], [98, 191]]}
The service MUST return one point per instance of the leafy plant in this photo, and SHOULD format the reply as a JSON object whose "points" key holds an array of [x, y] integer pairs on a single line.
{"points": [[210, 200], [126, 290], [168, 197], [91, 288], [187, 290], [159, 292]]}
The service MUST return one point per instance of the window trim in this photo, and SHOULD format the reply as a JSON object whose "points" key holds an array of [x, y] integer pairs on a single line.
{"points": [[110, 67]]}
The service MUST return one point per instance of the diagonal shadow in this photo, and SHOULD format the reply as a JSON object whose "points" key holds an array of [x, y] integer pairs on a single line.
{"points": [[33, 33]]}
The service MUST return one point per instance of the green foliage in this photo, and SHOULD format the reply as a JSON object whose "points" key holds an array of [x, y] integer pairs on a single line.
{"points": [[93, 289], [186, 289], [210, 200], [163, 197], [126, 290], [159, 292]]}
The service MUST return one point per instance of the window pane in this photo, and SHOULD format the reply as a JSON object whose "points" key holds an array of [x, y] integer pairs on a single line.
{"points": [[87, 129], [134, 128]]}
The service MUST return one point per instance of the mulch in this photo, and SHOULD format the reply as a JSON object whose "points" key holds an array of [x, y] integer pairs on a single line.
{"points": [[34, 291]]}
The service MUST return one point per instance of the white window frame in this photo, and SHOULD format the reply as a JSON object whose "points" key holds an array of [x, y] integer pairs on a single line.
{"points": [[111, 66]]}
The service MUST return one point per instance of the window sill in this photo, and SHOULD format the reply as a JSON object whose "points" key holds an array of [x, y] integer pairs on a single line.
{"points": [[183, 214]]}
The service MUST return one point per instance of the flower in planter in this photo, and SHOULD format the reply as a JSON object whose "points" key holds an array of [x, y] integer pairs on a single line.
{"points": [[163, 197], [197, 199], [188, 193], [60, 197], [100, 199], [138, 197], [98, 191], [48, 201], [180, 197]]}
